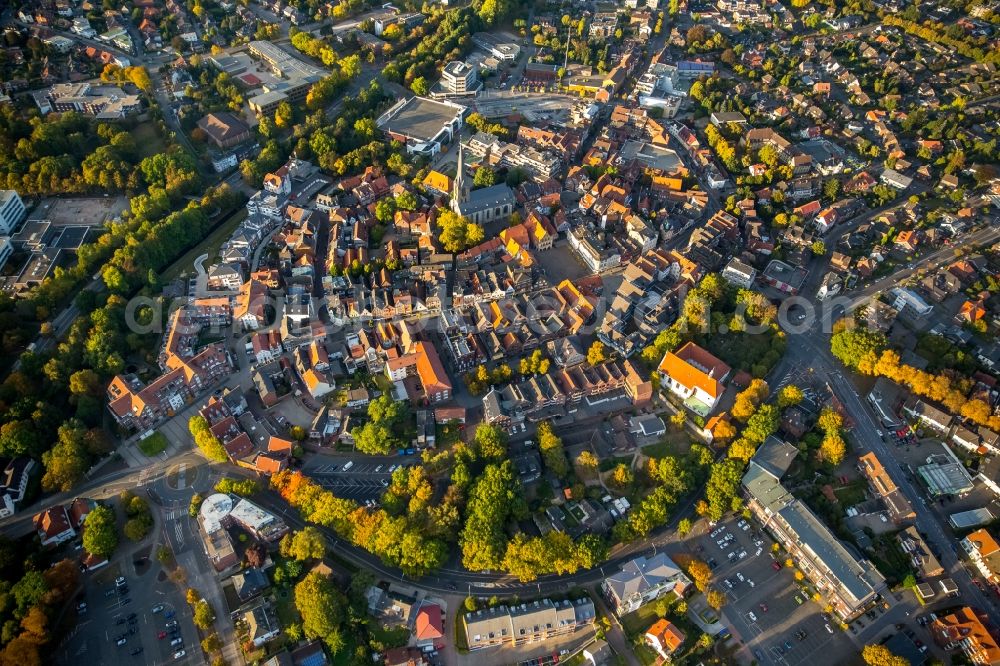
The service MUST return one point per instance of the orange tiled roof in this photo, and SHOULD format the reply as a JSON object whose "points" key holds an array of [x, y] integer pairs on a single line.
{"points": [[667, 633], [430, 370], [985, 543], [965, 626], [694, 367]]}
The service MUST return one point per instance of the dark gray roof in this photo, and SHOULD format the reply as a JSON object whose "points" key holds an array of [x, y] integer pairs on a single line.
{"points": [[486, 198]]}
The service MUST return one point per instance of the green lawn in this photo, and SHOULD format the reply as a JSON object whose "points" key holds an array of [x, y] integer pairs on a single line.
{"points": [[153, 445], [389, 637], [852, 493], [673, 443], [609, 464], [636, 623], [209, 245], [285, 608], [147, 139], [460, 641]]}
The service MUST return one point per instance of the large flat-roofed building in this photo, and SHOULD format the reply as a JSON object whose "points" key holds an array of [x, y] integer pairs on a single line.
{"points": [[281, 62], [423, 125], [494, 152], [106, 102], [40, 265], [12, 211], [963, 520], [652, 157], [849, 583], [504, 51], [459, 78], [784, 277], [944, 474], [298, 77]]}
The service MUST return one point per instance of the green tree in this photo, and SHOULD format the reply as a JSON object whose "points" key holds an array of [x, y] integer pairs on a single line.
{"points": [[321, 606], [385, 210], [67, 461], [387, 419], [204, 616], [858, 348], [552, 450], [457, 233], [491, 441], [100, 535], [420, 86], [284, 115], [205, 440], [485, 177], [307, 543]]}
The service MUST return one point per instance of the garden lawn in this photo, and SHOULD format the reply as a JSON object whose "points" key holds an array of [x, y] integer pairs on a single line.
{"points": [[389, 637], [153, 445], [637, 622]]}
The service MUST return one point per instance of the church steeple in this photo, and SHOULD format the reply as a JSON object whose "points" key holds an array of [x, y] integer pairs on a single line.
{"points": [[459, 190]]}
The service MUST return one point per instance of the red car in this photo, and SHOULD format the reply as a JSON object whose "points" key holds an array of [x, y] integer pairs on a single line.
{"points": [[763, 608], [775, 566], [161, 635]]}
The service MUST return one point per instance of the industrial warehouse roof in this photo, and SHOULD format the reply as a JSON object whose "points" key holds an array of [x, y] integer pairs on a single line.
{"points": [[420, 118]]}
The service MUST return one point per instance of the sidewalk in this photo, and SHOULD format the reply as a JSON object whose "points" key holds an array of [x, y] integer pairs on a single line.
{"points": [[615, 636]]}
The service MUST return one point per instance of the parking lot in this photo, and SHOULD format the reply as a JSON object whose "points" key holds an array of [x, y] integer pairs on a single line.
{"points": [[119, 624], [91, 211], [362, 480], [776, 620]]}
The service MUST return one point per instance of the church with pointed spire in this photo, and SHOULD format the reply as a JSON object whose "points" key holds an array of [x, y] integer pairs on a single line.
{"points": [[484, 205]]}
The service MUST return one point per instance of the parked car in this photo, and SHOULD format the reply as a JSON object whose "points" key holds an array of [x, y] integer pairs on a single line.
{"points": [[179, 654], [120, 581], [158, 608]]}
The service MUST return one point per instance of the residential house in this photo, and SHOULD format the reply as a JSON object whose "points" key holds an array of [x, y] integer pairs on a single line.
{"points": [[984, 553], [664, 637], [53, 526], [643, 580], [526, 623]]}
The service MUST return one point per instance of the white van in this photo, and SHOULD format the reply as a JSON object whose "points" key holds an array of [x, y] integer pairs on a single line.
{"points": [[348, 466]]}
